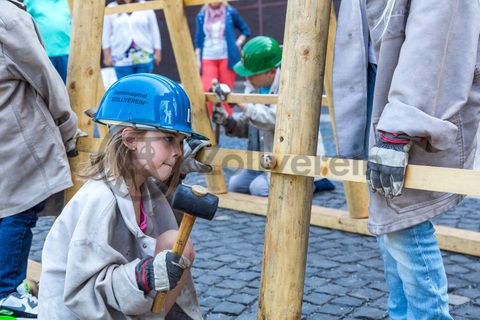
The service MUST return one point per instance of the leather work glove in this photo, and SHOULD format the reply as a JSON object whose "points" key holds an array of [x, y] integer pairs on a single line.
{"points": [[387, 162], [71, 145], [162, 272], [191, 147], [219, 114]]}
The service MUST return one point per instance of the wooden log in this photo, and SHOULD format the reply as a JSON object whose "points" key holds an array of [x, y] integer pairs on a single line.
{"points": [[34, 270], [252, 98], [83, 70], [450, 239], [188, 70], [356, 193], [296, 131], [461, 181], [151, 5]]}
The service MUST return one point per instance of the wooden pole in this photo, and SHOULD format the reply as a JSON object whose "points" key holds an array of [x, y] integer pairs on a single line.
{"points": [[296, 131], [356, 193], [83, 69], [188, 69]]}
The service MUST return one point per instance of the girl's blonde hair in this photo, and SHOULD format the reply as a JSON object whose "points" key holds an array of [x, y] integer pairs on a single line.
{"points": [[116, 160]]}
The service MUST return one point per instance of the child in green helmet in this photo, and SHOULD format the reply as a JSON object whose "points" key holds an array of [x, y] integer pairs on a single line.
{"points": [[260, 65], [107, 255]]}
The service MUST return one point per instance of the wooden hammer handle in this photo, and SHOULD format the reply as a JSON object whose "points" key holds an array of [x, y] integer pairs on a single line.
{"points": [[180, 242]]}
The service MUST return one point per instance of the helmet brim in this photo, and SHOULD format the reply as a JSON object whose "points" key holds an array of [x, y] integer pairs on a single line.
{"points": [[240, 69]]}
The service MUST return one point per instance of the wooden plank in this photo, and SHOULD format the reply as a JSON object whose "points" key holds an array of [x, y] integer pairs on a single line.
{"points": [[83, 70], [151, 5], [188, 70], [251, 98], [34, 270], [450, 239], [461, 181], [296, 132]]}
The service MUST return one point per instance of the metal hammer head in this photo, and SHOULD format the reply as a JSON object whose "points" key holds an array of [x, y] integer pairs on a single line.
{"points": [[195, 200]]}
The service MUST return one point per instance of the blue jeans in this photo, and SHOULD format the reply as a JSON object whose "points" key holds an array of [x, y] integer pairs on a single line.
{"points": [[250, 182], [415, 274], [60, 63], [15, 241], [136, 68]]}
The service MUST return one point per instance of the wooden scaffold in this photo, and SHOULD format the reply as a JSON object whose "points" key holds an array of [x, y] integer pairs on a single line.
{"points": [[306, 65]]}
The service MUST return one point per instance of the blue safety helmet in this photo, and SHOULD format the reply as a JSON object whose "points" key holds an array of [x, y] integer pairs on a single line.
{"points": [[149, 102]]}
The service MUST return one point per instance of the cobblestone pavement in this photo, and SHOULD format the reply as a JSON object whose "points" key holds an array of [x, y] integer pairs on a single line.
{"points": [[344, 275]]}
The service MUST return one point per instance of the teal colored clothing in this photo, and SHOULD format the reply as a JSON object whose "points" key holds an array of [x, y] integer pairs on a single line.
{"points": [[54, 21]]}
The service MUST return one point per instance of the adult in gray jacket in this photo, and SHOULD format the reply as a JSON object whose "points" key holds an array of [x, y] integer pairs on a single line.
{"points": [[36, 127], [426, 110]]}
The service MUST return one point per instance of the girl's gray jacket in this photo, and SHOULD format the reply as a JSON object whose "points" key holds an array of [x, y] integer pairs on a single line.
{"points": [[90, 254], [427, 85], [35, 116]]}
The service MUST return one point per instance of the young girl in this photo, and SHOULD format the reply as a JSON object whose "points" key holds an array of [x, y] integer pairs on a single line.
{"points": [[98, 259], [426, 111]]}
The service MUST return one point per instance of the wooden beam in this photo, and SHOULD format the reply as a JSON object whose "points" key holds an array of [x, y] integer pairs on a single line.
{"points": [[296, 132], [461, 181], [34, 270], [450, 239], [251, 98], [151, 5], [188, 70], [83, 70]]}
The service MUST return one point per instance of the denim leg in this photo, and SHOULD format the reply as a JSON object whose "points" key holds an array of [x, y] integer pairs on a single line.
{"points": [[397, 302], [420, 267], [260, 185], [143, 67], [372, 75], [61, 64], [123, 71], [15, 241], [241, 182]]}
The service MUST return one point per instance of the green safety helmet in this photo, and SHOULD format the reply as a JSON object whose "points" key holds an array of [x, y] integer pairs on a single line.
{"points": [[259, 55]]}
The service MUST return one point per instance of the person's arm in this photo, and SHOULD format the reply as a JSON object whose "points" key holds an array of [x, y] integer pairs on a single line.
{"points": [[27, 60], [106, 43], [242, 26], [435, 70], [155, 33]]}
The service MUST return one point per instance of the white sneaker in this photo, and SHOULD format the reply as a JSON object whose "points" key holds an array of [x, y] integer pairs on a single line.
{"points": [[19, 305]]}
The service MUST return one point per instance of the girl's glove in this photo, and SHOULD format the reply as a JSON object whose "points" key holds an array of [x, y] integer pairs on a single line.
{"points": [[387, 162], [161, 273], [191, 147]]}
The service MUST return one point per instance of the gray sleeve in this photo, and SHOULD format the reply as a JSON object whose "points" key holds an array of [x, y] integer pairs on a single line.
{"points": [[435, 70], [28, 61], [261, 116]]}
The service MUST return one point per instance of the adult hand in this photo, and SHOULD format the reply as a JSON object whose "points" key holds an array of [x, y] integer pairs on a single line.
{"points": [[191, 147], [387, 162], [162, 272], [157, 56], [107, 57], [71, 145]]}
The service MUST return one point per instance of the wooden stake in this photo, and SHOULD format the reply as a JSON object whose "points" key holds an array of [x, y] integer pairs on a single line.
{"points": [[296, 130], [188, 69], [83, 69]]}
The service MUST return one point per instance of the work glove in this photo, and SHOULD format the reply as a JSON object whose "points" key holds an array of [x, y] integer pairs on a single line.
{"points": [[162, 272], [71, 144], [387, 162], [219, 114], [191, 147]]}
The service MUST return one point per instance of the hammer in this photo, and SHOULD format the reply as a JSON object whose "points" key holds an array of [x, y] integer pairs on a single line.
{"points": [[195, 201], [221, 90]]}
